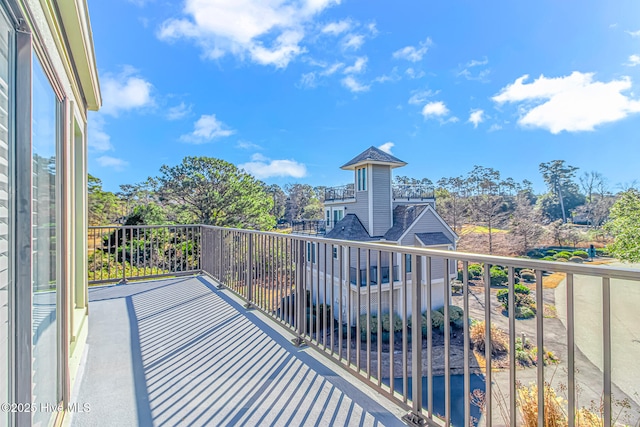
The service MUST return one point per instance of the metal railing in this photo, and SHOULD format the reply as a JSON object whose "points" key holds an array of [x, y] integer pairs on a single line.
{"points": [[318, 227], [342, 192], [136, 252], [413, 192], [387, 332]]}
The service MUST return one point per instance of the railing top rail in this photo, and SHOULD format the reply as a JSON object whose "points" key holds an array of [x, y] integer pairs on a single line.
{"points": [[112, 227], [613, 272]]}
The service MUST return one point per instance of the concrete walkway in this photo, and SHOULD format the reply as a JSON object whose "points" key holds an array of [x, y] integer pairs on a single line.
{"points": [[625, 326], [182, 352]]}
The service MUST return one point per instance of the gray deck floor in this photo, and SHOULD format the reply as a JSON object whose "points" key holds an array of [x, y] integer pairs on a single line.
{"points": [[182, 352]]}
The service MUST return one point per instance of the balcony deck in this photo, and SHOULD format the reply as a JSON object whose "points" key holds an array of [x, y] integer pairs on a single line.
{"points": [[183, 351]]}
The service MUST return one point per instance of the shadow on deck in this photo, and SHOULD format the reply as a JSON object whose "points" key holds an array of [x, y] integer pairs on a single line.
{"points": [[183, 352]]}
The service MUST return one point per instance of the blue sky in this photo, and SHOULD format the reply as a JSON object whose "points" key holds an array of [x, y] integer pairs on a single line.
{"points": [[291, 90]]}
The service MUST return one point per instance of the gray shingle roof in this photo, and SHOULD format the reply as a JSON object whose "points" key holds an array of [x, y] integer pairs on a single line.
{"points": [[438, 238], [349, 228], [403, 217], [376, 155]]}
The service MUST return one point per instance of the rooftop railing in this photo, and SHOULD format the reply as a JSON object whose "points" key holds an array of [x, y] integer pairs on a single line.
{"points": [[413, 192], [448, 367], [343, 192]]}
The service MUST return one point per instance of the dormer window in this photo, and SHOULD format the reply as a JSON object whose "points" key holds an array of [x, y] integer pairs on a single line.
{"points": [[361, 177]]}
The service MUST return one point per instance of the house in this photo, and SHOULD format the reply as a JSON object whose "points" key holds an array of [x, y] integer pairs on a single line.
{"points": [[48, 82], [373, 209]]}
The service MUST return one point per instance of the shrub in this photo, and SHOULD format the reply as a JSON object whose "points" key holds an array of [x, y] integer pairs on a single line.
{"points": [[437, 320], [535, 253], [373, 322], [550, 252], [456, 287], [581, 254], [524, 312], [498, 276], [548, 258], [499, 339], [527, 275], [576, 259], [387, 327], [562, 260], [456, 316], [475, 271], [563, 254], [602, 252]]}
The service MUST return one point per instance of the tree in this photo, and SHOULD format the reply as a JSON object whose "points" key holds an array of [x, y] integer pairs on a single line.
{"points": [[279, 201], [104, 206], [450, 202], [624, 225], [302, 203], [562, 190], [216, 192], [486, 201], [525, 223]]}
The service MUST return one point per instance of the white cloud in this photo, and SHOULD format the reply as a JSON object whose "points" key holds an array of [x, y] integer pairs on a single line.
{"points": [[332, 69], [247, 145], [386, 147], [571, 103], [392, 77], [124, 92], [98, 139], [336, 28], [353, 85], [476, 117], [419, 97], [435, 109], [178, 112], [207, 128], [308, 80], [112, 162], [262, 167], [634, 60], [495, 127], [353, 41], [468, 73], [411, 53], [634, 33], [242, 28], [413, 74], [358, 67]]}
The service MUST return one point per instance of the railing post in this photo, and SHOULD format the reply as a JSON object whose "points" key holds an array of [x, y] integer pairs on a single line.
{"points": [[220, 259], [124, 256], [298, 341], [249, 272], [415, 417]]}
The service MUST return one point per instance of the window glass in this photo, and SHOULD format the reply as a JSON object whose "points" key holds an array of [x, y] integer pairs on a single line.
{"points": [[5, 208], [45, 253]]}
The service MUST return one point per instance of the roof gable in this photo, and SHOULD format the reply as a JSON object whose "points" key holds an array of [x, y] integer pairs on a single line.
{"points": [[349, 228], [403, 217], [373, 155], [432, 239]]}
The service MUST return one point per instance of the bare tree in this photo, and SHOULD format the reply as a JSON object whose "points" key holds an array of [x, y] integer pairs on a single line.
{"points": [[526, 224]]}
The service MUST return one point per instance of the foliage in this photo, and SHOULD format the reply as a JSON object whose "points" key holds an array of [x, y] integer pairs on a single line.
{"points": [[456, 315], [576, 259], [499, 339], [437, 320], [581, 254], [475, 271], [397, 323], [498, 276], [216, 192], [373, 324], [563, 254], [564, 194], [624, 225], [104, 206], [527, 275], [523, 301], [527, 400], [148, 214], [303, 202]]}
